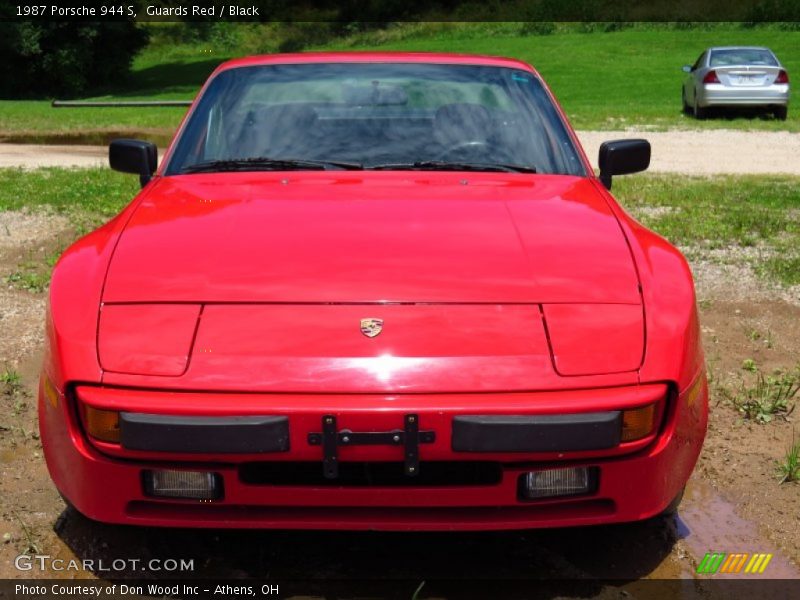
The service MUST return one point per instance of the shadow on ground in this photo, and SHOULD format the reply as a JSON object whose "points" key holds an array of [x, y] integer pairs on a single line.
{"points": [[743, 113], [177, 77], [450, 563]]}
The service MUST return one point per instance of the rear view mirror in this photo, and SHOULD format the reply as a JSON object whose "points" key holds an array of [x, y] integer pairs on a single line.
{"points": [[134, 156], [686, 68], [620, 157]]}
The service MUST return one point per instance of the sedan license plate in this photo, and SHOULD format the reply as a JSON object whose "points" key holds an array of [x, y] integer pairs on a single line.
{"points": [[748, 80]]}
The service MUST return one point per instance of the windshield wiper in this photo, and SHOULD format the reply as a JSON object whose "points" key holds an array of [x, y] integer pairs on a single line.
{"points": [[441, 165], [264, 163]]}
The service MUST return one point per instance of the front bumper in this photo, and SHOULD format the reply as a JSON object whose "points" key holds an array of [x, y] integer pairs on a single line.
{"points": [[636, 479], [717, 94]]}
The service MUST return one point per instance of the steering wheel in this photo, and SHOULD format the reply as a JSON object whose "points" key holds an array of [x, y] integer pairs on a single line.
{"points": [[474, 148]]}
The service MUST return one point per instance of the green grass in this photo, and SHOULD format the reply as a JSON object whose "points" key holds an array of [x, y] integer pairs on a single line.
{"points": [[747, 218], [87, 196], [604, 80], [616, 79], [33, 274], [789, 469], [725, 214], [770, 396], [12, 392], [11, 381]]}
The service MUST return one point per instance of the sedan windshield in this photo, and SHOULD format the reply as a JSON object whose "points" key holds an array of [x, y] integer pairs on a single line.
{"points": [[387, 116]]}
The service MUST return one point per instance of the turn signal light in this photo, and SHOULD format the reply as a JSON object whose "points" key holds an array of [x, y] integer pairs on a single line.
{"points": [[783, 77], [50, 391], [711, 77], [638, 422], [101, 424]]}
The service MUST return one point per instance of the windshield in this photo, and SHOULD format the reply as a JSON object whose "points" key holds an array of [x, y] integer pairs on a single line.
{"points": [[742, 56], [392, 116]]}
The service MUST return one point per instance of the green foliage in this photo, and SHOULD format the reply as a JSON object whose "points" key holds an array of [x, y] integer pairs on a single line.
{"points": [[605, 74], [782, 267], [11, 380], [697, 212], [538, 28], [769, 397], [64, 58], [33, 274], [87, 196], [789, 469], [724, 214], [30, 280]]}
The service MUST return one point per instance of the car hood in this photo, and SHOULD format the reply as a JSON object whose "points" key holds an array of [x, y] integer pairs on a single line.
{"points": [[370, 237]]}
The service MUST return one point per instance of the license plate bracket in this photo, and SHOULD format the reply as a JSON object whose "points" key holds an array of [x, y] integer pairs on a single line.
{"points": [[410, 437]]}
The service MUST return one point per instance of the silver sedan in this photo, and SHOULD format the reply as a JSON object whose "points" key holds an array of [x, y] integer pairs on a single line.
{"points": [[736, 76]]}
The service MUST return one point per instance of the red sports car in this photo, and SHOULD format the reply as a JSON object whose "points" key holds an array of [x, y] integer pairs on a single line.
{"points": [[373, 291]]}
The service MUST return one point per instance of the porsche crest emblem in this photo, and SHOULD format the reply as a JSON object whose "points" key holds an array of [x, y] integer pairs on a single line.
{"points": [[371, 327]]}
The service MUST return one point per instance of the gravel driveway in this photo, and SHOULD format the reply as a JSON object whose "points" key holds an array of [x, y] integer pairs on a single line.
{"points": [[690, 152], [712, 151]]}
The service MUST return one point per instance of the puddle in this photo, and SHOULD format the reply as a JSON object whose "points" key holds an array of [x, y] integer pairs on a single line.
{"points": [[708, 523]]}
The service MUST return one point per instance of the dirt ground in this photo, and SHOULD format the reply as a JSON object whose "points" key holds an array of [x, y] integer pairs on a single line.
{"points": [[690, 152], [733, 504]]}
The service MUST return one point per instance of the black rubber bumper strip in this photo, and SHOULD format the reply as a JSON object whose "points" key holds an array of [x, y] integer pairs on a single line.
{"points": [[219, 435], [539, 433]]}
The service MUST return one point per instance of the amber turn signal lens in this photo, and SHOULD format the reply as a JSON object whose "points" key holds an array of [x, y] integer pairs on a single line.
{"points": [[102, 424], [50, 391], [638, 422]]}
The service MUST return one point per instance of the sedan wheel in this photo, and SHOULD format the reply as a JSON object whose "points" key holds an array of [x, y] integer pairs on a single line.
{"points": [[699, 111], [781, 112], [686, 108]]}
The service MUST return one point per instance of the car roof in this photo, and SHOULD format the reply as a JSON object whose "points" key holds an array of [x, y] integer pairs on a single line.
{"points": [[376, 57], [739, 48]]}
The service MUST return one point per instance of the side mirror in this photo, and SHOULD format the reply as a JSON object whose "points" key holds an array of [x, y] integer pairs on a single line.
{"points": [[621, 157], [134, 156], [686, 68]]}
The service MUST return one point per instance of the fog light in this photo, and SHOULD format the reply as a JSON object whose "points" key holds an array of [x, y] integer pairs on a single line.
{"points": [[638, 423], [558, 482], [198, 485], [101, 424]]}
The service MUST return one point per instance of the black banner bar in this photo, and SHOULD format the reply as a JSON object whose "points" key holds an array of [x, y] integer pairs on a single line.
{"points": [[380, 12], [418, 589]]}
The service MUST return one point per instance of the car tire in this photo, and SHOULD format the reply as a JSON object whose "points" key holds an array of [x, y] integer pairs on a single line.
{"points": [[686, 108], [699, 112], [781, 112], [672, 508]]}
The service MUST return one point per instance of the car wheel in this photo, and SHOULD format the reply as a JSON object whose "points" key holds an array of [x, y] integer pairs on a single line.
{"points": [[686, 108], [673, 506], [699, 111], [781, 112]]}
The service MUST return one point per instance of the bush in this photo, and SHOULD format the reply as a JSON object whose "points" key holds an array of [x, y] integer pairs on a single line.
{"points": [[63, 58]]}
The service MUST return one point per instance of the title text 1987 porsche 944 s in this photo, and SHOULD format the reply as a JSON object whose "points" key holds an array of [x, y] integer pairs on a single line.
{"points": [[373, 291]]}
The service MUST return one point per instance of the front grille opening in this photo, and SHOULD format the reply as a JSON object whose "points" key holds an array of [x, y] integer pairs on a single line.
{"points": [[373, 474]]}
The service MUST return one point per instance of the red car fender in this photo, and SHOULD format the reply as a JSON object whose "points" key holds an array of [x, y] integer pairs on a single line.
{"points": [[76, 288]]}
